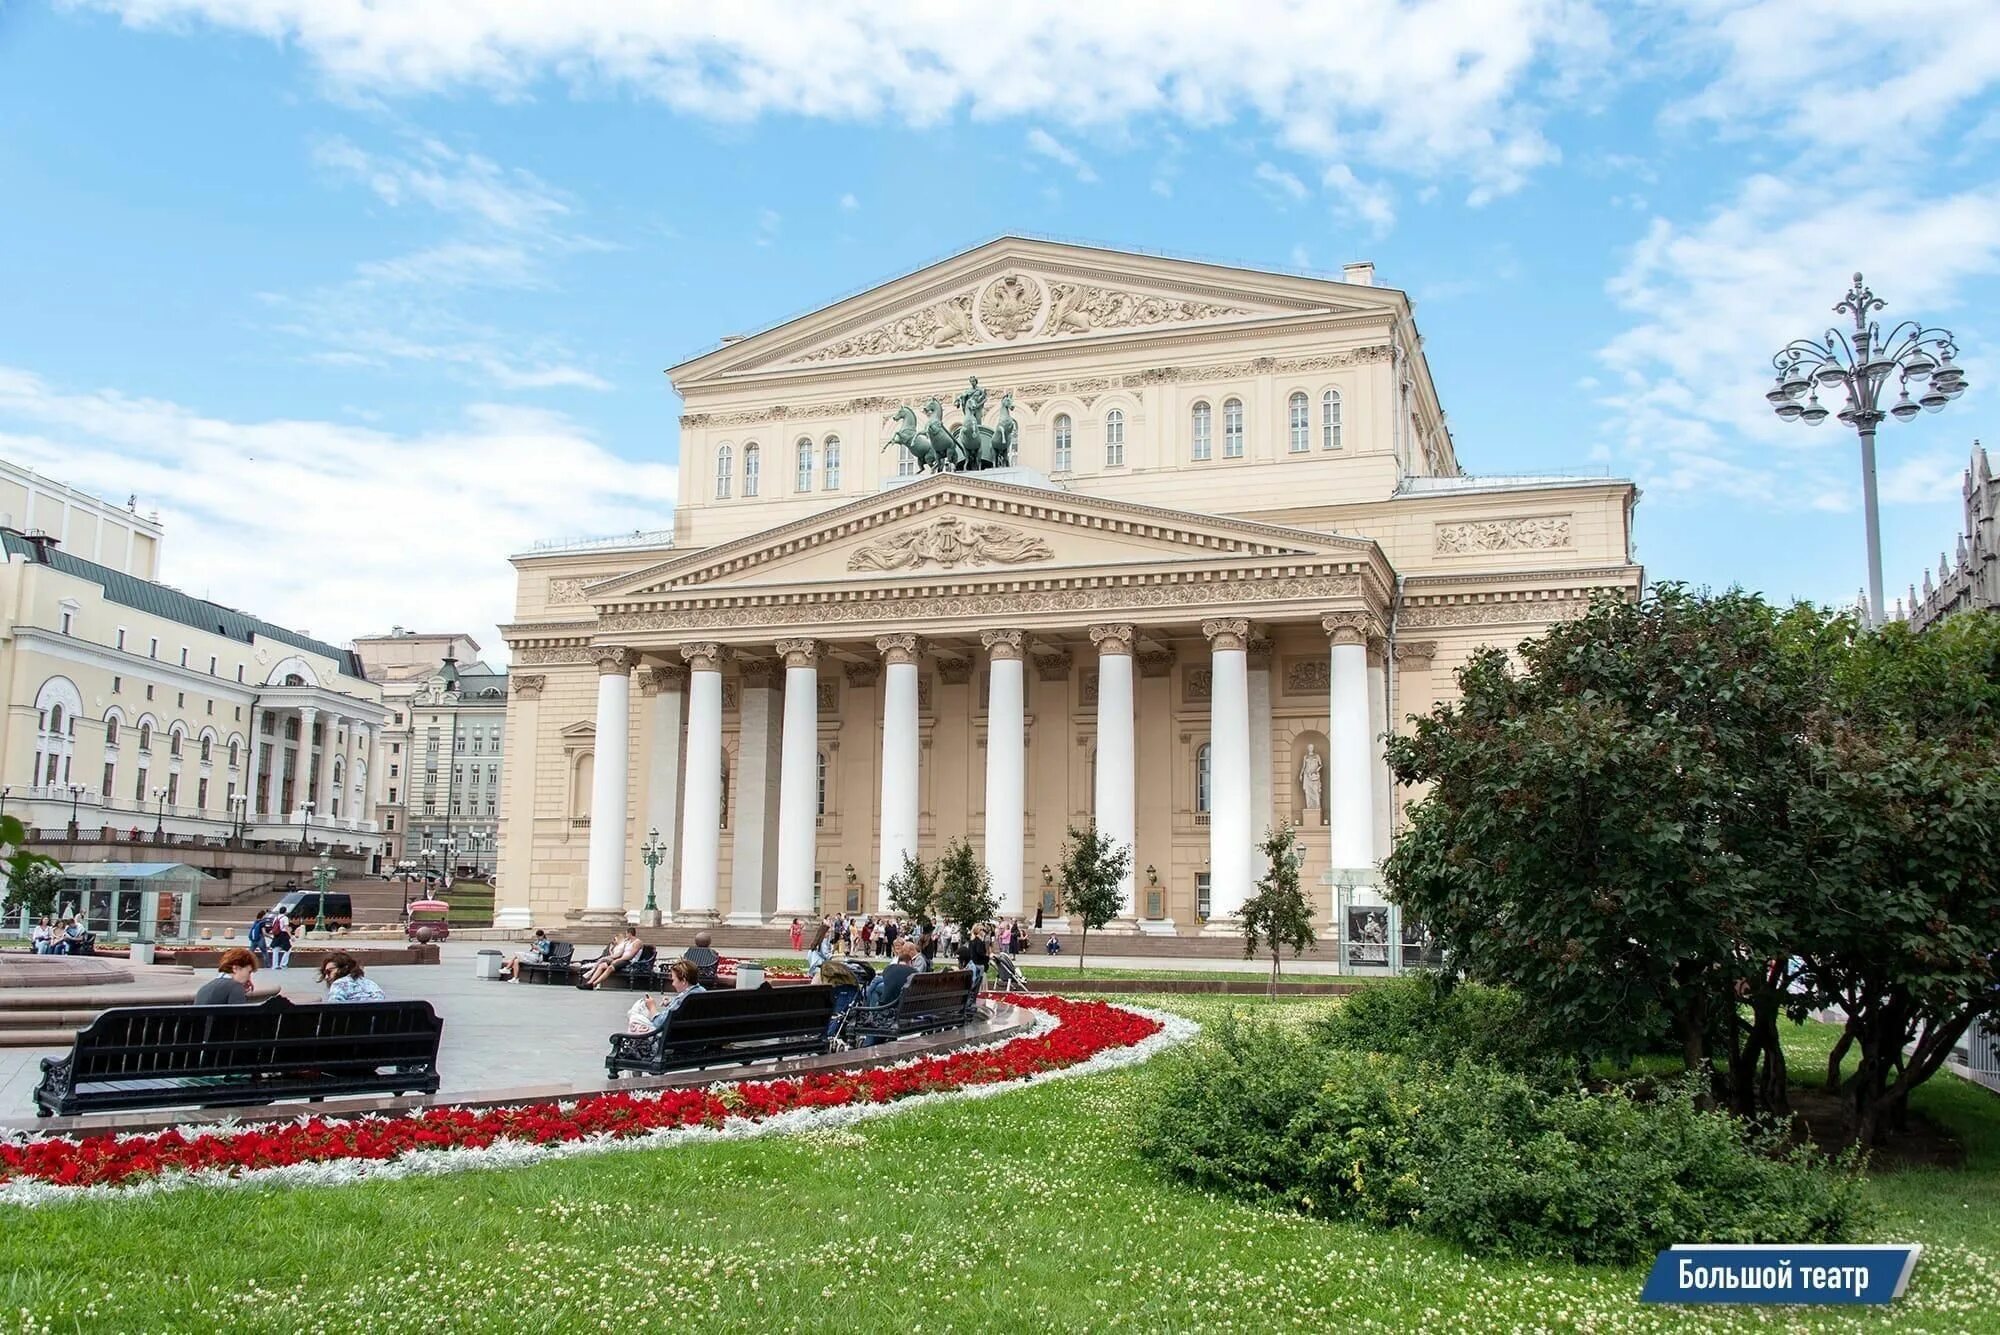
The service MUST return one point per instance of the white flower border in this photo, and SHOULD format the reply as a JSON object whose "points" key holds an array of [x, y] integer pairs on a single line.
{"points": [[1174, 1030]]}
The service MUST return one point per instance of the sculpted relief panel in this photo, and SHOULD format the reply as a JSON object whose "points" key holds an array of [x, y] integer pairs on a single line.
{"points": [[950, 542], [1479, 536]]}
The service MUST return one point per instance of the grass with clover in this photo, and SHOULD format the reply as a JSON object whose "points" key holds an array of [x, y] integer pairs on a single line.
{"points": [[1030, 1211]]}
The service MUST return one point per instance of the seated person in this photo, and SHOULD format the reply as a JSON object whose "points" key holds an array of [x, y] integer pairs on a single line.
{"points": [[72, 938], [537, 951], [685, 981], [1053, 945], [889, 984], [43, 936], [818, 953], [231, 984], [345, 980], [618, 952], [702, 957]]}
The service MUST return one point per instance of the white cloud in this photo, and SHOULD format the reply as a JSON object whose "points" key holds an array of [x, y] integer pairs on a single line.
{"points": [[1840, 74], [1713, 302], [1448, 88], [1280, 182], [1047, 145], [1358, 201], [448, 180], [335, 528], [848, 203]]}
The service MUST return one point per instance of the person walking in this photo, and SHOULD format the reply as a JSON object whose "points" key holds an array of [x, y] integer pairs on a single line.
{"points": [[280, 929], [259, 937]]}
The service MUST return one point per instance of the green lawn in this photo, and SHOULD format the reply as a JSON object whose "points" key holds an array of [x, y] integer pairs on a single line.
{"points": [[1025, 1212]]}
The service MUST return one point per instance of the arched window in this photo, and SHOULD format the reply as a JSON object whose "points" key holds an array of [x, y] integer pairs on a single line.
{"points": [[832, 473], [174, 742], [752, 463], [1329, 420], [1232, 429], [1301, 423], [1202, 432], [804, 452], [56, 720], [725, 465], [1062, 461], [146, 737], [1202, 755], [111, 731], [582, 775], [207, 751], [234, 755], [821, 809], [1114, 439]]}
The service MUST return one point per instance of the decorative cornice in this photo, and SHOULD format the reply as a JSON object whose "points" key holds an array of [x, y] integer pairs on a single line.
{"points": [[898, 648], [1112, 638], [614, 660], [1001, 645], [542, 656], [1226, 633], [526, 685], [704, 655], [799, 653]]}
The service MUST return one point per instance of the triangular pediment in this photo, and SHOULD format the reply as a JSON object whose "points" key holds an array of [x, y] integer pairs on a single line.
{"points": [[1015, 292], [955, 525], [581, 731]]}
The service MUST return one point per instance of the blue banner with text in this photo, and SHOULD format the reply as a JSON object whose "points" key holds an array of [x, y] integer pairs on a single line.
{"points": [[1829, 1274]]}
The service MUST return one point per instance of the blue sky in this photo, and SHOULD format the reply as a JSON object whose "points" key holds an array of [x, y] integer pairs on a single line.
{"points": [[363, 296]]}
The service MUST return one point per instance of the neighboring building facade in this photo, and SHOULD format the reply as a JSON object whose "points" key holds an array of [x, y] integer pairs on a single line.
{"points": [[84, 525], [137, 707], [458, 719], [1973, 580], [1236, 543], [399, 663]]}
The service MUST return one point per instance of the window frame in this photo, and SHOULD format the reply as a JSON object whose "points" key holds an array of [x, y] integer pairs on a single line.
{"points": [[1062, 434], [1114, 438], [1298, 422], [830, 463], [725, 470], [802, 465], [1232, 428], [1201, 431], [1330, 420], [753, 469]]}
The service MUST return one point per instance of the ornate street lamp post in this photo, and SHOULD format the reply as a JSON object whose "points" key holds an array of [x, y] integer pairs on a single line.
{"points": [[305, 826], [239, 810], [322, 882], [1860, 364], [76, 792], [653, 852], [160, 819]]}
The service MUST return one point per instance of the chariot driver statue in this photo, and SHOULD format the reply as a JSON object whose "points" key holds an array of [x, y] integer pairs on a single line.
{"points": [[970, 446], [972, 402]]}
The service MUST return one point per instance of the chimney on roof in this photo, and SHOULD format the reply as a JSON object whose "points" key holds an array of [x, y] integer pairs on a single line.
{"points": [[1361, 273], [733, 338], [43, 543]]}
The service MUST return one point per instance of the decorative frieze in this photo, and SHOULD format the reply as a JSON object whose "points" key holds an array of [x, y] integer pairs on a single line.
{"points": [[1475, 537], [1054, 666], [569, 589], [950, 542], [1084, 308], [1560, 606], [1155, 662], [550, 654], [1308, 676], [863, 674], [944, 324], [1197, 684], [954, 671]]}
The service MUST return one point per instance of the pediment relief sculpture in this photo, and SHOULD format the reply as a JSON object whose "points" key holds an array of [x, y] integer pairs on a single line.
{"points": [[1538, 533], [1018, 305], [950, 542]]}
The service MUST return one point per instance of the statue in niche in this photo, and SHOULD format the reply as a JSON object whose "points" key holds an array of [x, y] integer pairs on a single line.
{"points": [[1310, 770]]}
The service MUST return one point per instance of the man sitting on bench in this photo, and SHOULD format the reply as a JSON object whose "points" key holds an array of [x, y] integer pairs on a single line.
{"points": [[618, 952], [685, 980], [702, 957]]}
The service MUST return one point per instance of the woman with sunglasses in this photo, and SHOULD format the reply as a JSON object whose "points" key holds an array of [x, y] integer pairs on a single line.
{"points": [[344, 979]]}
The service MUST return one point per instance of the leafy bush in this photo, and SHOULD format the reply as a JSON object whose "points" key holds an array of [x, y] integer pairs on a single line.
{"points": [[1481, 1156], [1423, 1016]]}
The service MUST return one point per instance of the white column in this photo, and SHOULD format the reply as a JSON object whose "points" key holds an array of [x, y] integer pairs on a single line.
{"points": [[899, 757], [513, 894], [252, 770], [1116, 813], [329, 752], [753, 823], [664, 687], [1006, 767], [1229, 831], [1351, 786], [701, 825], [1261, 816], [604, 895], [798, 780], [302, 772]]}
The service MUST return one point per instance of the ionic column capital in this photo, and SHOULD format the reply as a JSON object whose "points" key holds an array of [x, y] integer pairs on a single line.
{"points": [[1351, 627], [527, 685], [1225, 633], [799, 653], [613, 660], [704, 656], [1416, 653], [1113, 638], [897, 649], [1002, 645]]}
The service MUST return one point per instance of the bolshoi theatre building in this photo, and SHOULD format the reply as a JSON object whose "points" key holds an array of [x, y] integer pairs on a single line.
{"points": [[1038, 535]]}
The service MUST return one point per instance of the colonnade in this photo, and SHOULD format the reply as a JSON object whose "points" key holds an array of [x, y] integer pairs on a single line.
{"points": [[1233, 788], [264, 782]]}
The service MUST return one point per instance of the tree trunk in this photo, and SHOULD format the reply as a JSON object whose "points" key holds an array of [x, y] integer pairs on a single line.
{"points": [[1839, 1055], [1274, 974], [1083, 947]]}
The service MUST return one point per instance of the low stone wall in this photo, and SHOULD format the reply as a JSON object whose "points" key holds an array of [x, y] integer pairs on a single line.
{"points": [[308, 957]]}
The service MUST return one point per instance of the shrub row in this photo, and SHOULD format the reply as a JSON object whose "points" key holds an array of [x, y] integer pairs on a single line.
{"points": [[1496, 1160]]}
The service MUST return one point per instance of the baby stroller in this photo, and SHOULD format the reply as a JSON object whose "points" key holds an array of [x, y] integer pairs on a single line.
{"points": [[1008, 975], [847, 997]]}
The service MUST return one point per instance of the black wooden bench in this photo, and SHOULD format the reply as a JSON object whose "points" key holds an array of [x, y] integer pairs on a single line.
{"points": [[719, 1028], [929, 1001], [555, 969], [215, 1056]]}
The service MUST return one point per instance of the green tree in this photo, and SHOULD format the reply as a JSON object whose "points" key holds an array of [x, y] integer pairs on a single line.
{"points": [[1900, 819], [1607, 828], [1094, 867], [964, 889], [33, 880], [913, 890], [1279, 914]]}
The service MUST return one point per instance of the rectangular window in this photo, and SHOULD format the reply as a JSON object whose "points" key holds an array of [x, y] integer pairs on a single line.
{"points": [[201, 794], [153, 647], [832, 482], [1203, 440], [805, 466], [1201, 903], [395, 748], [68, 622], [149, 691], [211, 665], [211, 707], [173, 790], [392, 797], [389, 819], [110, 773], [184, 656], [1232, 429], [117, 685], [180, 699], [239, 672], [121, 639], [393, 770]]}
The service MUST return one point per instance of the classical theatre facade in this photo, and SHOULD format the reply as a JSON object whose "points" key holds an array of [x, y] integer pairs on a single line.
{"points": [[1226, 544]]}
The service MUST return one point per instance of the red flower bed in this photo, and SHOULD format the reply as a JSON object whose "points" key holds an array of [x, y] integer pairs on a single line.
{"points": [[1087, 1028]]}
